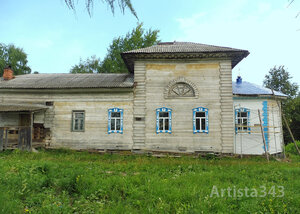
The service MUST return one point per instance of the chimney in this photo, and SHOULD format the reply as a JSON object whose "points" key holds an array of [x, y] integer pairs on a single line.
{"points": [[239, 80], [8, 73]]}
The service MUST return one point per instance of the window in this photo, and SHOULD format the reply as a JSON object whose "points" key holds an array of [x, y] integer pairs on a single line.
{"points": [[78, 121], [115, 120], [242, 122], [164, 120], [200, 120]]}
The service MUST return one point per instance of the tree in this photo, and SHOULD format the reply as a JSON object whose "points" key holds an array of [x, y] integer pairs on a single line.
{"points": [[15, 57], [278, 79], [91, 65], [292, 112], [113, 62], [123, 4], [137, 38]]}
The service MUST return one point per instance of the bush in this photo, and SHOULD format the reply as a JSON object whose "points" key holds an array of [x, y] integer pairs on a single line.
{"points": [[290, 149]]}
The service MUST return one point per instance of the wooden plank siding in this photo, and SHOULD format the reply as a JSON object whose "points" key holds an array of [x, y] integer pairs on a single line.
{"points": [[139, 106], [206, 76], [96, 105], [227, 115]]}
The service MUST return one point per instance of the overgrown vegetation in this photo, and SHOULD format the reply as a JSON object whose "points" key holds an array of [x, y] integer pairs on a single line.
{"points": [[63, 181], [279, 79]]}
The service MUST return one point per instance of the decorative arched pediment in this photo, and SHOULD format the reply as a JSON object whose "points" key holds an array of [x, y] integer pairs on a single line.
{"points": [[181, 88]]}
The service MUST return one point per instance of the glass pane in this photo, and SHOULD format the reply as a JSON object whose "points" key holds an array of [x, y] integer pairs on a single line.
{"points": [[112, 124], [166, 124], [197, 124], [244, 114], [161, 124], [239, 114], [116, 114], [79, 115], [202, 124], [76, 124], [245, 124], [200, 114], [239, 124], [163, 114], [81, 125], [118, 126]]}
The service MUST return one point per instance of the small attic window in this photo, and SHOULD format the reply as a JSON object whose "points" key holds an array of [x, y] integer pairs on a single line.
{"points": [[49, 103]]}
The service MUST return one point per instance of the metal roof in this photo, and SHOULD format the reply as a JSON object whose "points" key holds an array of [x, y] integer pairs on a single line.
{"points": [[183, 50], [14, 107], [51, 81], [250, 89], [182, 47]]}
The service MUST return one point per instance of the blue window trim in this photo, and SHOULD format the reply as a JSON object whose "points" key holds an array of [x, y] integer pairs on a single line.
{"points": [[200, 109], [248, 119], [163, 109], [109, 120]]}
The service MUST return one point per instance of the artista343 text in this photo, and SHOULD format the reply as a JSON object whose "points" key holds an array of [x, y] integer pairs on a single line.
{"points": [[237, 192]]}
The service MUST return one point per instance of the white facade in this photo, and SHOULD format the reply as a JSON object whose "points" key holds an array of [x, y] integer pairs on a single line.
{"points": [[250, 142]]}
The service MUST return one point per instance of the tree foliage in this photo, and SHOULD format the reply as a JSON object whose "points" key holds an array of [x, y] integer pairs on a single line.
{"points": [[113, 62], [137, 38], [292, 112], [15, 57], [91, 65], [278, 79], [89, 4]]}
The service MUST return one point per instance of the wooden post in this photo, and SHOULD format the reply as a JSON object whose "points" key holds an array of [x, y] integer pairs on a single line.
{"points": [[29, 145], [1, 138], [20, 138], [6, 138], [263, 136]]}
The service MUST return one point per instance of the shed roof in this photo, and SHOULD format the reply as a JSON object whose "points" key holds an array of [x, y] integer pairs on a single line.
{"points": [[250, 89], [50, 81], [183, 50], [17, 107]]}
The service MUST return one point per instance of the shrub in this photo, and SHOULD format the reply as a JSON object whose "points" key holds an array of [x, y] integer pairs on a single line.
{"points": [[291, 149]]}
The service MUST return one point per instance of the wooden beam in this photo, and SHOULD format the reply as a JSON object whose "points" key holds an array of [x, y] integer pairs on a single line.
{"points": [[6, 138]]}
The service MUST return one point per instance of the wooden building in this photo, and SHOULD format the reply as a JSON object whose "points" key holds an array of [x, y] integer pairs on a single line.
{"points": [[177, 97]]}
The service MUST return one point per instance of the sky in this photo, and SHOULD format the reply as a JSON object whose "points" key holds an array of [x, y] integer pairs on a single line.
{"points": [[56, 38]]}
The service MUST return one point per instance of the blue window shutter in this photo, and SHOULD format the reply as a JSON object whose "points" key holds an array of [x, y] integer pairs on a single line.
{"points": [[170, 121], [194, 121], [157, 121], [206, 121], [248, 120], [109, 119], [121, 125]]}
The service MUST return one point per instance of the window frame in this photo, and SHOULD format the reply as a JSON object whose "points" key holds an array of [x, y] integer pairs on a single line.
{"points": [[111, 110], [73, 121], [164, 109], [237, 125], [200, 109]]}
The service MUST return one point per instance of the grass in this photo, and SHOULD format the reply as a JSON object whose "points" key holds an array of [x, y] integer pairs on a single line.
{"points": [[64, 181]]}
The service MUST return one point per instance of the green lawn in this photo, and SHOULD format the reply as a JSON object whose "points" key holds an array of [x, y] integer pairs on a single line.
{"points": [[66, 181]]}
